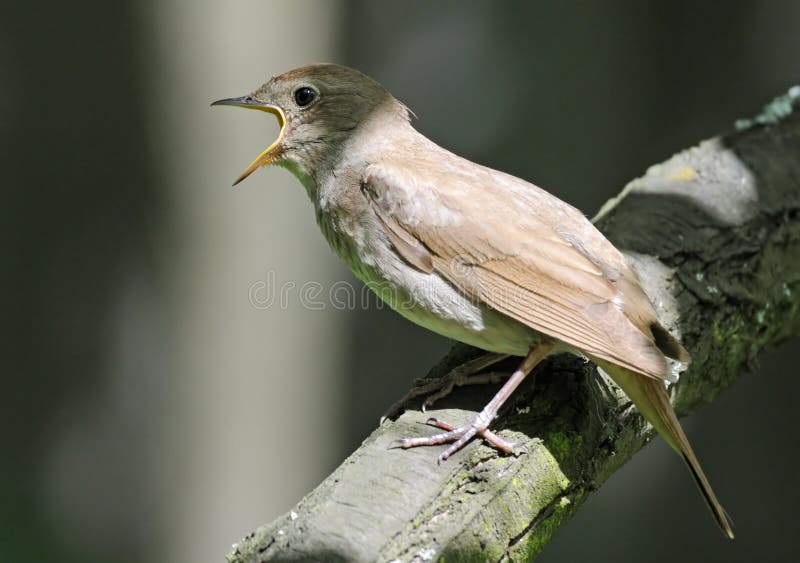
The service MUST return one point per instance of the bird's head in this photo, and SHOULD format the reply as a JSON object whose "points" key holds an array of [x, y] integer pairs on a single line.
{"points": [[318, 107]]}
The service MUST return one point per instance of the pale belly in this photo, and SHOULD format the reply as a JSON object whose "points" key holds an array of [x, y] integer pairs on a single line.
{"points": [[431, 302], [425, 299], [494, 333]]}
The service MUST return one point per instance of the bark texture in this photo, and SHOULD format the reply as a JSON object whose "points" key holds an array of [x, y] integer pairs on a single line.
{"points": [[715, 237]]}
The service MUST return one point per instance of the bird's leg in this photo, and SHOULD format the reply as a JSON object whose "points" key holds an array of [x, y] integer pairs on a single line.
{"points": [[437, 388], [460, 435]]}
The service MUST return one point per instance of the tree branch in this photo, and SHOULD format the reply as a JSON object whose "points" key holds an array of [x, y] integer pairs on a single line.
{"points": [[721, 218]]}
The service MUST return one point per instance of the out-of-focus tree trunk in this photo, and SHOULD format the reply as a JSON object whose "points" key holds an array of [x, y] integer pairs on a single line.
{"points": [[242, 350]]}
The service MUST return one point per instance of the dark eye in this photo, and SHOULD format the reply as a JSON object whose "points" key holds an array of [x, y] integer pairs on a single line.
{"points": [[304, 96]]}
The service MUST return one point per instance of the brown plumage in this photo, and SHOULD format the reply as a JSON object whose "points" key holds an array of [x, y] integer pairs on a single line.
{"points": [[540, 262], [472, 253]]}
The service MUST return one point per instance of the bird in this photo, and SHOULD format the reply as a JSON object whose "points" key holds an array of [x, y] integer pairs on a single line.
{"points": [[471, 253]]}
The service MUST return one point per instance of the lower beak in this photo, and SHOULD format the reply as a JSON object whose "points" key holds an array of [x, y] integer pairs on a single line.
{"points": [[269, 154]]}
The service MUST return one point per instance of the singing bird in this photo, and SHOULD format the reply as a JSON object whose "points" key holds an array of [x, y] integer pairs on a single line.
{"points": [[471, 253]]}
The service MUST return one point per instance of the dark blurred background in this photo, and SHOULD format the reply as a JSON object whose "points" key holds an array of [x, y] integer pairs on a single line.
{"points": [[155, 408]]}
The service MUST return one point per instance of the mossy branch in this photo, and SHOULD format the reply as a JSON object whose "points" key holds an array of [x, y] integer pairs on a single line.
{"points": [[715, 236]]}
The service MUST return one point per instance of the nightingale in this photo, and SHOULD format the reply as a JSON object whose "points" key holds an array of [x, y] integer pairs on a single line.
{"points": [[471, 253]]}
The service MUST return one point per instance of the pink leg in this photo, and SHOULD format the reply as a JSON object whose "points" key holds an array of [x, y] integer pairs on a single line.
{"points": [[465, 374], [461, 379], [460, 435]]}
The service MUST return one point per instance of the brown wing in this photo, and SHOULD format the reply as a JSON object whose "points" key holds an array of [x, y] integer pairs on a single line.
{"points": [[522, 252]]}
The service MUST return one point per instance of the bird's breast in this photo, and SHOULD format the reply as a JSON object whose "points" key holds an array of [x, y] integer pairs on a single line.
{"points": [[427, 299]]}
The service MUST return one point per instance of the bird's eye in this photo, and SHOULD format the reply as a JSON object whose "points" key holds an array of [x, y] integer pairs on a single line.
{"points": [[304, 96]]}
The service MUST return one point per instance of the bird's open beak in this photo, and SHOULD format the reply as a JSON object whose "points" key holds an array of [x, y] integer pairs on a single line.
{"points": [[269, 154]]}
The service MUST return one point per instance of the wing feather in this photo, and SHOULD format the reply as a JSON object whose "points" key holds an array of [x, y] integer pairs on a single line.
{"points": [[526, 254]]}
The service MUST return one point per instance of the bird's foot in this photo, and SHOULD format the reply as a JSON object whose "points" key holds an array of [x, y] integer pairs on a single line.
{"points": [[459, 435], [440, 387]]}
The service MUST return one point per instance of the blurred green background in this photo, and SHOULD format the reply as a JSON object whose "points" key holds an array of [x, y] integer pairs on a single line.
{"points": [[151, 412]]}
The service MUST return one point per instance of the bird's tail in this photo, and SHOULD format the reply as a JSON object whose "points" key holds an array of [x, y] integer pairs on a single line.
{"points": [[650, 397]]}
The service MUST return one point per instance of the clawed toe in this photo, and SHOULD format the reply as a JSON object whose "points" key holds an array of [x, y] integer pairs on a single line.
{"points": [[458, 435], [438, 388]]}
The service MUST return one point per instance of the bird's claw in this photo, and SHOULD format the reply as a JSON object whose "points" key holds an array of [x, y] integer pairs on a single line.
{"points": [[459, 436], [440, 387]]}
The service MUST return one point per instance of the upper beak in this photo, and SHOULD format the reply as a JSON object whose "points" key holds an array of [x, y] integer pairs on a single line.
{"points": [[269, 154]]}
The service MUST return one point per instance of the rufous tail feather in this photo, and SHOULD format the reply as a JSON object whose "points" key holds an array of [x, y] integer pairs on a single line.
{"points": [[650, 397]]}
